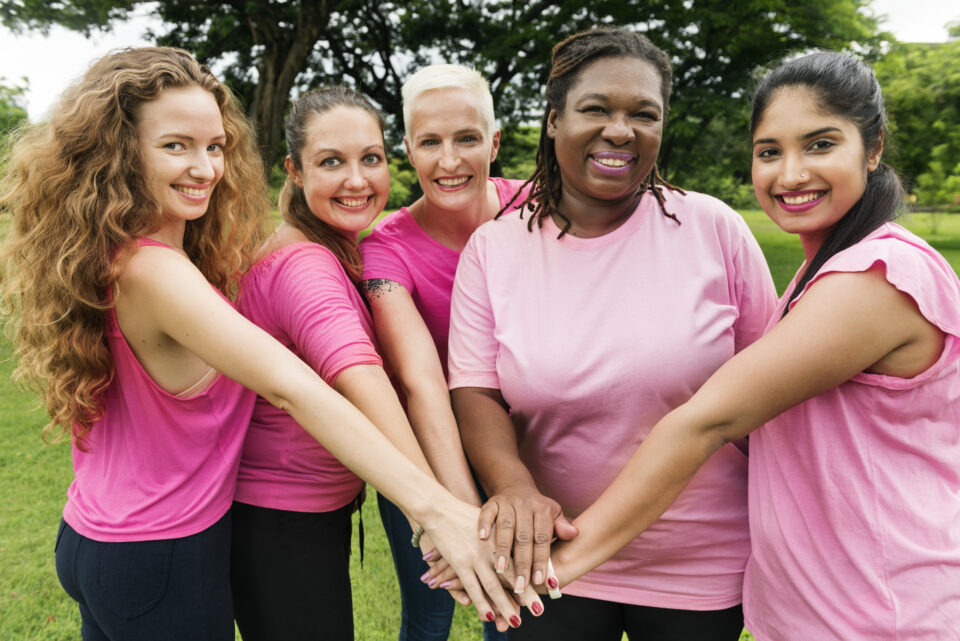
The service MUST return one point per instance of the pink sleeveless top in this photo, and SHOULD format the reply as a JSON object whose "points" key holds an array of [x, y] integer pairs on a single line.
{"points": [[158, 466]]}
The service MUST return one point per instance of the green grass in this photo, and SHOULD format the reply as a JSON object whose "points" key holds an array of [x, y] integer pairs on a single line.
{"points": [[34, 478]]}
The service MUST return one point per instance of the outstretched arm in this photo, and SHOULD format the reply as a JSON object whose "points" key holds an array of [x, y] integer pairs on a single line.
{"points": [[409, 351], [188, 311], [844, 324]]}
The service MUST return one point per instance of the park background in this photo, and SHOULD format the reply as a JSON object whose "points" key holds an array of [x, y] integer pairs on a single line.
{"points": [[270, 51]]}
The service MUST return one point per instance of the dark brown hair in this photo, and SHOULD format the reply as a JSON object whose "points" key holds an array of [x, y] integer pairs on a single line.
{"points": [[293, 202]]}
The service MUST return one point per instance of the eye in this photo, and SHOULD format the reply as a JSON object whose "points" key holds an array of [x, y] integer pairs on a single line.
{"points": [[822, 145], [175, 146], [768, 153], [592, 109], [216, 148], [330, 162], [429, 142], [468, 139], [373, 159]]}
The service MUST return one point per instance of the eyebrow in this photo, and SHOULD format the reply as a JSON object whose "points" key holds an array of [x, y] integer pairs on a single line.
{"points": [[179, 136], [458, 132], [643, 102], [331, 150], [806, 136]]}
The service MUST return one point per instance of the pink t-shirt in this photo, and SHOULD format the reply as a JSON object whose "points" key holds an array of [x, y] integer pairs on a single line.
{"points": [[592, 341], [158, 466], [399, 250], [855, 494], [301, 296]]}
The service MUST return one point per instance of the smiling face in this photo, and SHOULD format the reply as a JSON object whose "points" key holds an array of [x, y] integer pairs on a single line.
{"points": [[181, 140], [608, 135], [451, 146], [809, 167], [343, 169]]}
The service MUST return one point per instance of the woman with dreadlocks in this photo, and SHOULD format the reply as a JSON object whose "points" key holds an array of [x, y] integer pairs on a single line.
{"points": [[582, 319]]}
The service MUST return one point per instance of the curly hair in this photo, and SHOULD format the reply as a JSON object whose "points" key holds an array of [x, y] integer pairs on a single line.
{"points": [[568, 58], [293, 202], [75, 189]]}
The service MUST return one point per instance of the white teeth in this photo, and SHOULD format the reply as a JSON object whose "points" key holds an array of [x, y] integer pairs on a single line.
{"points": [[453, 182], [611, 162], [190, 191], [353, 202], [801, 199]]}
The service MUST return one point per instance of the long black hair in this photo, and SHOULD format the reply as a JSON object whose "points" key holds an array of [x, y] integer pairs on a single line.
{"points": [[569, 57], [845, 87]]}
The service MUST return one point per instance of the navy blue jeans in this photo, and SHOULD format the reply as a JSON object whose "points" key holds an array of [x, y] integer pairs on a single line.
{"points": [[166, 590], [425, 614]]}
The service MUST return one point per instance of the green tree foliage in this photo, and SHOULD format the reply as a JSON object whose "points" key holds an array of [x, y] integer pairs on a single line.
{"points": [[12, 112], [921, 85], [268, 49]]}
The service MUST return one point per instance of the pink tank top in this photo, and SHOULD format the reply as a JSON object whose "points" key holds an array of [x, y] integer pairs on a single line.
{"points": [[157, 466]]}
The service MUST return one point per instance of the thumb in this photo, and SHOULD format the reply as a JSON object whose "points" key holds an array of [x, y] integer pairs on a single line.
{"points": [[564, 529], [488, 515]]}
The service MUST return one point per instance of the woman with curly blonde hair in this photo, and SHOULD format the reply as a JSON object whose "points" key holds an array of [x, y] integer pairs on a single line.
{"points": [[135, 209]]}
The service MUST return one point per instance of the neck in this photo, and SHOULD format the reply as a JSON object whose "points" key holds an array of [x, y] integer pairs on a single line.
{"points": [[591, 218], [170, 233], [453, 228]]}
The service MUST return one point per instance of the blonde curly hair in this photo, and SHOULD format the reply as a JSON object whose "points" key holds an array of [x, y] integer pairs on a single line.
{"points": [[75, 190]]}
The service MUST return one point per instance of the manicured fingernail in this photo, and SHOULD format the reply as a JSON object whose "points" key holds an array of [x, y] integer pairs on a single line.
{"points": [[445, 585], [552, 583], [537, 608], [501, 564], [483, 533], [490, 616], [429, 555], [518, 588], [538, 577], [515, 621], [432, 582], [423, 578]]}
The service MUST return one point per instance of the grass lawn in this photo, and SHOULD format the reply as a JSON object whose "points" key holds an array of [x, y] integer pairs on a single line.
{"points": [[34, 478]]}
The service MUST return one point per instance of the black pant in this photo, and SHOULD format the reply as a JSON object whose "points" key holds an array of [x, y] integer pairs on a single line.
{"points": [[167, 590], [574, 618], [290, 573]]}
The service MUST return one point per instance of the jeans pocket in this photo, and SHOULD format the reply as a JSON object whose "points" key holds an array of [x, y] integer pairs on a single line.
{"points": [[132, 577]]}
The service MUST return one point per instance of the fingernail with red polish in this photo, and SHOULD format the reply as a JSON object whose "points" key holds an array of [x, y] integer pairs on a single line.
{"points": [[537, 608], [552, 583], [515, 621], [490, 616]]}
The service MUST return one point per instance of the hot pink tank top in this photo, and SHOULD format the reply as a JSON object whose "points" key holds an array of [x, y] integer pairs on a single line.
{"points": [[157, 466]]}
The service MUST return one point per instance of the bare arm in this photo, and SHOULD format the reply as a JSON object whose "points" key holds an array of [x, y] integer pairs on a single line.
{"points": [[844, 324], [186, 309], [525, 518], [411, 354]]}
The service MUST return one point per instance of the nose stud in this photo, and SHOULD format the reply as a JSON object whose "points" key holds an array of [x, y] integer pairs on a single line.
{"points": [[803, 174]]}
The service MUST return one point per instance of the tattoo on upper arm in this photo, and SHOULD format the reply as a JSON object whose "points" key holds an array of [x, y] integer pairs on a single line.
{"points": [[377, 287]]}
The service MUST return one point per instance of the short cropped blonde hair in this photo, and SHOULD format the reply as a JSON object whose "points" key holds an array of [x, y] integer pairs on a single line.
{"points": [[447, 76]]}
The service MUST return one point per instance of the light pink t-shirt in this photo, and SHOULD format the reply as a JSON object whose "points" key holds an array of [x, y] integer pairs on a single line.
{"points": [[301, 296], [592, 341], [855, 494], [158, 466], [399, 250]]}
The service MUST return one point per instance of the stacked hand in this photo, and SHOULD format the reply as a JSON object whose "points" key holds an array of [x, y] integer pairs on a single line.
{"points": [[515, 529]]}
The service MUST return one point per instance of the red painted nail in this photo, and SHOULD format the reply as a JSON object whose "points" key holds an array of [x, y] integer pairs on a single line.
{"points": [[515, 621], [490, 616], [536, 607], [553, 583]]}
